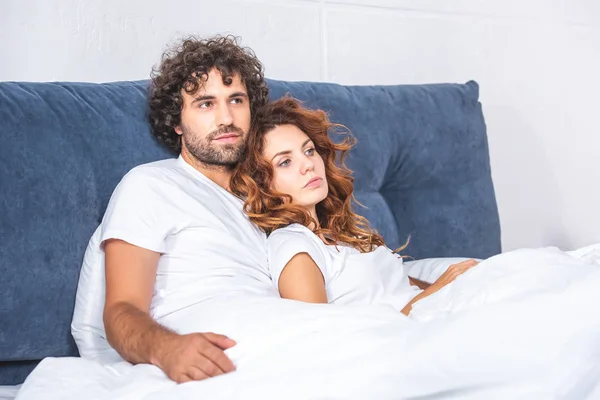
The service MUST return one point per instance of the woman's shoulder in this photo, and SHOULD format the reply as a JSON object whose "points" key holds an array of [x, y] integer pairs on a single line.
{"points": [[296, 233], [291, 230], [293, 239]]}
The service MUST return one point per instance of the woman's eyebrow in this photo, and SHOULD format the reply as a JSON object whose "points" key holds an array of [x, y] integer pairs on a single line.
{"points": [[289, 151]]}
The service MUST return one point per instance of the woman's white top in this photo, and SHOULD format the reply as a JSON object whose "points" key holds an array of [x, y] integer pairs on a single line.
{"points": [[351, 277]]}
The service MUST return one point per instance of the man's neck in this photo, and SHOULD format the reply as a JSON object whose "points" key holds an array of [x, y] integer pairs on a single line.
{"points": [[216, 173]]}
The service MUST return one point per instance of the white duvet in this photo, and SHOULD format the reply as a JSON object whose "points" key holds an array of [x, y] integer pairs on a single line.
{"points": [[525, 324]]}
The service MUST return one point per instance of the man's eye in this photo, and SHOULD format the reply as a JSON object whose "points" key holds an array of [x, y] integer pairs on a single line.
{"points": [[206, 104], [310, 152], [237, 101], [284, 163]]}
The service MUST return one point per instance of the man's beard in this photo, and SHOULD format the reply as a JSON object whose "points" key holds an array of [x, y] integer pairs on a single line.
{"points": [[205, 151]]}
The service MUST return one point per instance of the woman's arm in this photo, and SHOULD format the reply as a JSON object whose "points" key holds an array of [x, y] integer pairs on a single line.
{"points": [[301, 279], [450, 275], [418, 283]]}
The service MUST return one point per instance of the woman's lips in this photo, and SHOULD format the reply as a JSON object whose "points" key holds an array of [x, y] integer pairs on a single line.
{"points": [[314, 182]]}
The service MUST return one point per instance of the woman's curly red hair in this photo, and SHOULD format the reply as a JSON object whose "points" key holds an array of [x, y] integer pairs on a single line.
{"points": [[271, 210]]}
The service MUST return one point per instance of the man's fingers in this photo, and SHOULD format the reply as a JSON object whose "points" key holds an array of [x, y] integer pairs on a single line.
{"points": [[209, 367], [217, 357], [183, 378], [207, 362], [197, 373], [220, 340]]}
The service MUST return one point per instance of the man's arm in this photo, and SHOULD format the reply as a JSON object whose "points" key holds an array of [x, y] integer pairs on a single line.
{"points": [[130, 277]]}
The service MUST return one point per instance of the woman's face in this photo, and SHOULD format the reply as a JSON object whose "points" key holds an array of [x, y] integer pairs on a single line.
{"points": [[298, 169]]}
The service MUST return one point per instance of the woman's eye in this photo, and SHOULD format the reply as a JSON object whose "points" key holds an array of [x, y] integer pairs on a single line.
{"points": [[284, 163], [310, 152]]}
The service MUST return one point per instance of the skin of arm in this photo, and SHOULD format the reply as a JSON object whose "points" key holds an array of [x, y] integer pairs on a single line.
{"points": [[302, 280], [447, 277], [129, 328], [418, 283], [408, 308]]}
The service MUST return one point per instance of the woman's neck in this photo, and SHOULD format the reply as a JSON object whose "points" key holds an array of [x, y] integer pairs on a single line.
{"points": [[313, 213]]}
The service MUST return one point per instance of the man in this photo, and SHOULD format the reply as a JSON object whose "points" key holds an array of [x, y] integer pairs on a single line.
{"points": [[171, 228]]}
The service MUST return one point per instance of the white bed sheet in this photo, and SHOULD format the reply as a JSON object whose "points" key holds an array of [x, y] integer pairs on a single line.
{"points": [[525, 324]]}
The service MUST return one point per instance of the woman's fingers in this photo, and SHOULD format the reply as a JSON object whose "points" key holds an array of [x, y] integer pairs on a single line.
{"points": [[455, 270], [464, 266]]}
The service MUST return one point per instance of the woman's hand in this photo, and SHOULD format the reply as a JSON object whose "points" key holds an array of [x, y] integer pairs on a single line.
{"points": [[450, 275]]}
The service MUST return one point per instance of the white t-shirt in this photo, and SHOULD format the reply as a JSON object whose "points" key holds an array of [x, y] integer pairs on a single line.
{"points": [[208, 246], [351, 277]]}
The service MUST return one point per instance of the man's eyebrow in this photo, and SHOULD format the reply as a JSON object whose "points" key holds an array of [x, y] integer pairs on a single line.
{"points": [[211, 97], [289, 151], [238, 94], [203, 98]]}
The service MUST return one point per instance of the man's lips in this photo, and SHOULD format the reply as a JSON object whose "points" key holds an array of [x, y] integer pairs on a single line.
{"points": [[227, 137], [314, 182]]}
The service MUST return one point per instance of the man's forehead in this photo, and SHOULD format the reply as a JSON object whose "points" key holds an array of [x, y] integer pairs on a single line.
{"points": [[214, 83]]}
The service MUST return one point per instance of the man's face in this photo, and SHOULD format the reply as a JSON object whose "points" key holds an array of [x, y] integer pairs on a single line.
{"points": [[215, 121]]}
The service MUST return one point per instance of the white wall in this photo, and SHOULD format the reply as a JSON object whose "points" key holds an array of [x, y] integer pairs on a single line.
{"points": [[537, 61]]}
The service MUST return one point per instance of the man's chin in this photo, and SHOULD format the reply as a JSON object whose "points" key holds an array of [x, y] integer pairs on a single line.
{"points": [[221, 162]]}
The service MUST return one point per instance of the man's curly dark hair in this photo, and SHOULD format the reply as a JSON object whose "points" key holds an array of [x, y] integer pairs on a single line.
{"points": [[182, 66]]}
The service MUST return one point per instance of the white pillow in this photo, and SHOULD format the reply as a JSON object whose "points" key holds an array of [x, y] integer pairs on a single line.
{"points": [[87, 326], [430, 269]]}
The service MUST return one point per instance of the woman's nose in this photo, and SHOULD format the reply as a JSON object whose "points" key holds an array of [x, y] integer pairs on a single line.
{"points": [[308, 165]]}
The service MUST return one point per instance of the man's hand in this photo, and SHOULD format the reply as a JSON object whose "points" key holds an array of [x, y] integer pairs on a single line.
{"points": [[193, 357], [448, 276]]}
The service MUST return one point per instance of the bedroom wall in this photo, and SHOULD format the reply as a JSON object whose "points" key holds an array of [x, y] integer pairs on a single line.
{"points": [[537, 63]]}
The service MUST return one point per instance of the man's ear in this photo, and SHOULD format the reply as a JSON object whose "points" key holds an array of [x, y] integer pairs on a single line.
{"points": [[178, 130]]}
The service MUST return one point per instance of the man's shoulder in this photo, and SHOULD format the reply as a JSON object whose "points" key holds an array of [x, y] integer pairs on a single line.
{"points": [[162, 171], [154, 168]]}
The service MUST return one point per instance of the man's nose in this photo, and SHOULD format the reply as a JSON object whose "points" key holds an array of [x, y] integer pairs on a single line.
{"points": [[223, 117]]}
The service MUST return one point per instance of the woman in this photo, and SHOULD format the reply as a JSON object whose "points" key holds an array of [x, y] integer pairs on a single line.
{"points": [[298, 190]]}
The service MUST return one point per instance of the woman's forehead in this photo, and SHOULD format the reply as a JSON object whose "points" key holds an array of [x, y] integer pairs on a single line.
{"points": [[284, 138]]}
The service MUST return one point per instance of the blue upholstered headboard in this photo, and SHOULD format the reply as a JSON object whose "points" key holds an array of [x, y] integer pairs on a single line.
{"points": [[421, 167]]}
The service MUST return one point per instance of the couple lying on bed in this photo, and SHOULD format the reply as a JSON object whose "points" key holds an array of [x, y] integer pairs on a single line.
{"points": [[258, 203]]}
